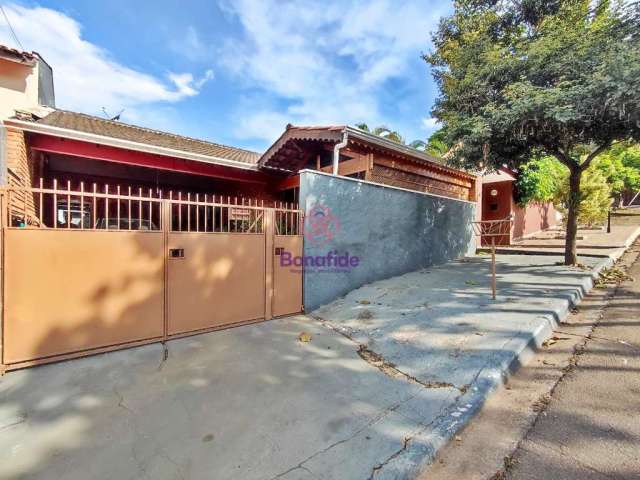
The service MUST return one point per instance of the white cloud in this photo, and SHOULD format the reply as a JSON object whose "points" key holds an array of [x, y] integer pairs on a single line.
{"points": [[86, 77], [327, 62], [429, 124]]}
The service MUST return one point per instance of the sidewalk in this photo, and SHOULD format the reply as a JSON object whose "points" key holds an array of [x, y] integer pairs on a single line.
{"points": [[574, 403], [439, 329], [384, 378], [625, 228]]}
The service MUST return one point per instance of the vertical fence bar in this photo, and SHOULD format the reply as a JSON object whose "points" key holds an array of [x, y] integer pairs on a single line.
{"points": [[82, 205], [213, 217], [118, 208], [170, 219], [95, 205], [161, 210], [188, 211], [197, 212], [106, 207], [68, 204], [129, 210], [41, 204], [150, 209], [205, 212], [228, 214], [139, 207], [179, 211], [55, 203]]}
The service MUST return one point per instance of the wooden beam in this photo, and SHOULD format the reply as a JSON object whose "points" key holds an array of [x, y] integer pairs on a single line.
{"points": [[422, 170], [288, 183], [349, 167]]}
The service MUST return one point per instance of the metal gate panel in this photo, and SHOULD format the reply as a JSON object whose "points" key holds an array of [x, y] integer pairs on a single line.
{"points": [[214, 279], [287, 279], [73, 290]]}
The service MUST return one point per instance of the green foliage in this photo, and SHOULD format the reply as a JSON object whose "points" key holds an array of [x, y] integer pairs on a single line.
{"points": [[394, 136], [621, 167], [595, 197], [539, 180], [382, 131], [631, 157], [522, 78], [437, 144]]}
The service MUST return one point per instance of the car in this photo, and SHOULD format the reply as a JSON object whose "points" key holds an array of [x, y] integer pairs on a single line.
{"points": [[125, 224]]}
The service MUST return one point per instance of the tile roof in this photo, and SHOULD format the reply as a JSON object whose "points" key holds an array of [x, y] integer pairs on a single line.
{"points": [[114, 129], [20, 55]]}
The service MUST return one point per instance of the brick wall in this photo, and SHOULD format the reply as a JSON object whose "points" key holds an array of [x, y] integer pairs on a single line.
{"points": [[22, 208]]}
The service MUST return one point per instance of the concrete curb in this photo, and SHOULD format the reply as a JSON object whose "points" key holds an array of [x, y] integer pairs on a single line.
{"points": [[421, 451]]}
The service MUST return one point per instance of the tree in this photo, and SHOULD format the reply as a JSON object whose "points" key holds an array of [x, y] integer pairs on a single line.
{"points": [[595, 196], [530, 78], [437, 144], [621, 168], [539, 180], [382, 131], [393, 135]]}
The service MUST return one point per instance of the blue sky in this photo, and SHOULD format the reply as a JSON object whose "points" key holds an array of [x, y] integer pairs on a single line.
{"points": [[237, 71]]}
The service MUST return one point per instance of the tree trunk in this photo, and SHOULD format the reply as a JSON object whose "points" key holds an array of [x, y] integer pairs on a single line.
{"points": [[570, 251]]}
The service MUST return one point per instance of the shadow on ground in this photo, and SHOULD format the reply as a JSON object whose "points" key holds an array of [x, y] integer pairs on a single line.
{"points": [[256, 403]]}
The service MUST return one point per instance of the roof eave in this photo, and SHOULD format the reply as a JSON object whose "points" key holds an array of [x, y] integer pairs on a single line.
{"points": [[404, 149], [125, 144]]}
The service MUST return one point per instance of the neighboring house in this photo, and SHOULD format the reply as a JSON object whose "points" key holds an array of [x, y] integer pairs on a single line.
{"points": [[499, 202], [26, 82]]}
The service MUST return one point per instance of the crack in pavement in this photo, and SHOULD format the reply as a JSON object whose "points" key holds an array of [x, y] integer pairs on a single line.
{"points": [[22, 419], [375, 470], [388, 368], [121, 401], [370, 423], [165, 355]]}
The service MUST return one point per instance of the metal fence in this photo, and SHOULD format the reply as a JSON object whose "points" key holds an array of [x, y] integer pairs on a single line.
{"points": [[117, 208]]}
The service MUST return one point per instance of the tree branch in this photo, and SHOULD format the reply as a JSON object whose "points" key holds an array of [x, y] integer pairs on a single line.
{"points": [[563, 158], [597, 151]]}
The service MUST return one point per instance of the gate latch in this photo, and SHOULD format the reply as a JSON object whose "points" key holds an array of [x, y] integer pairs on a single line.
{"points": [[176, 253], [279, 250]]}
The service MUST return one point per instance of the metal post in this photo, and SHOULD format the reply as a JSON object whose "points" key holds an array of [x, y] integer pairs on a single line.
{"points": [[609, 221], [493, 267]]}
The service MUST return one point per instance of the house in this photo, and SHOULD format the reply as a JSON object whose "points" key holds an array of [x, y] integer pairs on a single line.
{"points": [[26, 81], [115, 235], [499, 202]]}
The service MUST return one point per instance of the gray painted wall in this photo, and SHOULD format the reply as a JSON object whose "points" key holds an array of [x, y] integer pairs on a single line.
{"points": [[46, 92], [391, 230]]}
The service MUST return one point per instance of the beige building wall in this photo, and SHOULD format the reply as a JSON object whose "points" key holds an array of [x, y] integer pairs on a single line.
{"points": [[18, 87]]}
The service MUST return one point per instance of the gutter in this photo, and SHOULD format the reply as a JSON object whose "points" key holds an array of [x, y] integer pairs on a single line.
{"points": [[336, 151], [125, 144]]}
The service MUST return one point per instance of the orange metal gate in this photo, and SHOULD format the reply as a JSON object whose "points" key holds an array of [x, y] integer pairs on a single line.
{"points": [[87, 271]]}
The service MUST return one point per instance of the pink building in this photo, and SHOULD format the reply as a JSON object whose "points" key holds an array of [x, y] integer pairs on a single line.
{"points": [[498, 202]]}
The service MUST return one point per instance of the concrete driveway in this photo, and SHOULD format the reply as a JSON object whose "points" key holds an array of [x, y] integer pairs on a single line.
{"points": [[390, 373]]}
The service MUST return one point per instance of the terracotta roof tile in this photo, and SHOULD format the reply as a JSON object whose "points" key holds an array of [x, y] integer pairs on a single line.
{"points": [[115, 129], [19, 54]]}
